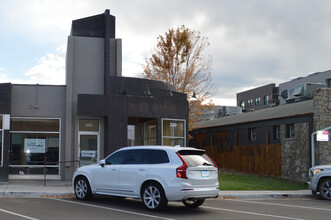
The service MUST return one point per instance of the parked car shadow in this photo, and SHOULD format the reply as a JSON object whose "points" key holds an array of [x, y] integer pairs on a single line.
{"points": [[174, 209]]}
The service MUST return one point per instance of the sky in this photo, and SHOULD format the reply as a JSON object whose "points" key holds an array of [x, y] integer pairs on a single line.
{"points": [[252, 42]]}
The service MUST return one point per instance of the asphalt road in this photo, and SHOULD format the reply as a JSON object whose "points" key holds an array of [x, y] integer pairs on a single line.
{"points": [[113, 208]]}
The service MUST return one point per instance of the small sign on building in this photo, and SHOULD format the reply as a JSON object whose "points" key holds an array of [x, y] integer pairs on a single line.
{"points": [[322, 135]]}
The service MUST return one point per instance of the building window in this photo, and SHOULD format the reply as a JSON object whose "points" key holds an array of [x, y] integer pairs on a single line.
{"points": [[173, 132], [32, 142], [328, 83], [290, 131], [257, 100], [249, 102], [88, 141], [242, 105], [276, 131], [266, 100], [252, 134], [147, 132]]}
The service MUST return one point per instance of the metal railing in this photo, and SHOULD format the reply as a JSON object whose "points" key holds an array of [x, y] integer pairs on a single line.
{"points": [[55, 163]]}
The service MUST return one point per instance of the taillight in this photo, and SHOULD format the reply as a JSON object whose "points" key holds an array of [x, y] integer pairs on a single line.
{"points": [[181, 171]]}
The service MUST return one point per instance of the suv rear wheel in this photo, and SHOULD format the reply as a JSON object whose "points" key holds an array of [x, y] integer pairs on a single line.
{"points": [[193, 203], [325, 189], [153, 196]]}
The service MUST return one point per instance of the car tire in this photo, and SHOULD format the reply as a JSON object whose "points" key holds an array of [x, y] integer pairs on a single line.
{"points": [[82, 189], [193, 203], [153, 196], [325, 189]]}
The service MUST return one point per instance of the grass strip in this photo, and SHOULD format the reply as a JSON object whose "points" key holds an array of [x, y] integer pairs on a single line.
{"points": [[243, 181]]}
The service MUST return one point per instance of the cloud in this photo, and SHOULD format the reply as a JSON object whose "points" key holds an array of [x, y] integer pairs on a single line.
{"points": [[253, 43], [50, 68]]}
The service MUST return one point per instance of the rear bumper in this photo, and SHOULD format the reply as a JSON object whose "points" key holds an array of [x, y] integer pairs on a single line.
{"points": [[184, 192]]}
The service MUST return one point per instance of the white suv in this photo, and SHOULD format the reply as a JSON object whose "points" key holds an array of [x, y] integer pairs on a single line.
{"points": [[320, 180], [155, 174]]}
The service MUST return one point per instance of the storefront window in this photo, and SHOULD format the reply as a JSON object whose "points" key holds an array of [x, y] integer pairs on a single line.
{"points": [[34, 142], [147, 133], [173, 132]]}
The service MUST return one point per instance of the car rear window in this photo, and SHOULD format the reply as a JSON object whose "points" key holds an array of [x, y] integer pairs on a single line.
{"points": [[195, 158]]}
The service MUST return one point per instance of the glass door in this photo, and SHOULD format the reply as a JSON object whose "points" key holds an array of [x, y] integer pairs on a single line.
{"points": [[88, 153]]}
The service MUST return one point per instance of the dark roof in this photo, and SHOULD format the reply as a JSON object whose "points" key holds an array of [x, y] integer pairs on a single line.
{"points": [[281, 111]]}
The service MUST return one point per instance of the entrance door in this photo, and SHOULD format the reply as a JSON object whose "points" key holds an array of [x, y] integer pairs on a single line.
{"points": [[89, 145]]}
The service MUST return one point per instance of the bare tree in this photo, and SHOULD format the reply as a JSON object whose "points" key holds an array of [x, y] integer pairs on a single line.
{"points": [[178, 59]]}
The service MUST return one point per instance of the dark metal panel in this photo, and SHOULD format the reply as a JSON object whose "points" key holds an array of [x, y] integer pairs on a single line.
{"points": [[5, 98], [4, 170], [94, 26], [118, 108]]}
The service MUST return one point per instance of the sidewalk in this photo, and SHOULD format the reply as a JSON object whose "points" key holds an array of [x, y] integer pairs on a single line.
{"points": [[30, 188], [59, 188]]}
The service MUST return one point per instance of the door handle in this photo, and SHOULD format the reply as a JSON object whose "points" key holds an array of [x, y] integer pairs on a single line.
{"points": [[113, 169], [142, 169]]}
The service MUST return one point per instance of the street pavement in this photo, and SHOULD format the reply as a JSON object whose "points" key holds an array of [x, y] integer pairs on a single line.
{"points": [[61, 188]]}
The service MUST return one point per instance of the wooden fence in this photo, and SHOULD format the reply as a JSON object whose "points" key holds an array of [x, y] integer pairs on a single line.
{"points": [[258, 159]]}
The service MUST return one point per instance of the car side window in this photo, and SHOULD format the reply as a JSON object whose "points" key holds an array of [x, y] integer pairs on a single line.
{"points": [[158, 157], [116, 158], [136, 157]]}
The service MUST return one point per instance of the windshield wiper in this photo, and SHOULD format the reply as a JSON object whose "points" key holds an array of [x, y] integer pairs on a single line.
{"points": [[206, 164]]}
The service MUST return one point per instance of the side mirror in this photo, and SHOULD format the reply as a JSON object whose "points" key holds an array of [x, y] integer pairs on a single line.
{"points": [[102, 163]]}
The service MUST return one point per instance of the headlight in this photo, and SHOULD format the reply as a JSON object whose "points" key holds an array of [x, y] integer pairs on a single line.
{"points": [[314, 171]]}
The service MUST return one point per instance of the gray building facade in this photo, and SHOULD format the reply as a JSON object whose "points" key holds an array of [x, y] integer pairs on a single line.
{"points": [[62, 127], [257, 98]]}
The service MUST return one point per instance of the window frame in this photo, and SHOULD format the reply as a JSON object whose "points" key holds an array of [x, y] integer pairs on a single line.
{"points": [[258, 100], [290, 130], [276, 132], [266, 100], [39, 132], [252, 134], [249, 102], [174, 137], [243, 105]]}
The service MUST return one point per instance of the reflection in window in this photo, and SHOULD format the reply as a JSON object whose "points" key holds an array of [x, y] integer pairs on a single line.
{"points": [[242, 105], [249, 102], [290, 130], [147, 133], [276, 132], [173, 132], [32, 141], [257, 100], [266, 100]]}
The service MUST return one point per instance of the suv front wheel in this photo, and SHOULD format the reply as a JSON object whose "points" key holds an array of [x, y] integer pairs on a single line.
{"points": [[82, 189], [153, 196], [325, 189]]}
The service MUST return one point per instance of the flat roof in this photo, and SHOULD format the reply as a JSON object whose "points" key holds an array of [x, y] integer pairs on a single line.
{"points": [[280, 111]]}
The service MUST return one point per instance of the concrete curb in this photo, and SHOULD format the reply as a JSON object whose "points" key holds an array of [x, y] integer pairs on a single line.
{"points": [[266, 194]]}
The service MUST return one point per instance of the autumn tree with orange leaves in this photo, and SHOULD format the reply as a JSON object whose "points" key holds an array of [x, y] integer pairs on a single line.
{"points": [[178, 59]]}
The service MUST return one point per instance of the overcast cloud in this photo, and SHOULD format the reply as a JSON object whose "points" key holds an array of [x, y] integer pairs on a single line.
{"points": [[253, 43]]}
